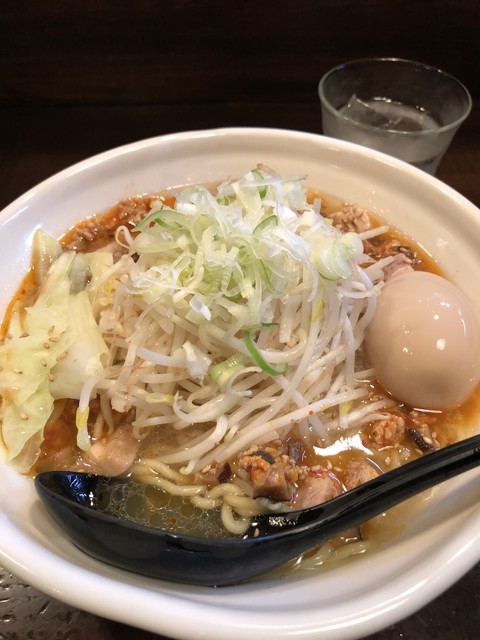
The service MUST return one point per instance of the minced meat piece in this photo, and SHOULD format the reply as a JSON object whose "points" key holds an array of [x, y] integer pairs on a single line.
{"points": [[98, 231], [387, 432], [273, 469], [351, 218]]}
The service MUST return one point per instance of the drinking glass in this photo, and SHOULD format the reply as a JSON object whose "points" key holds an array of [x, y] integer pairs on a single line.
{"points": [[406, 109]]}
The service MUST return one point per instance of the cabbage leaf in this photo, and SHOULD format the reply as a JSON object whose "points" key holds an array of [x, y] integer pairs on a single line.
{"points": [[51, 349]]}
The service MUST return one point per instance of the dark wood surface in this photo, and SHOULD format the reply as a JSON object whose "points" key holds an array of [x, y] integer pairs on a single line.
{"points": [[77, 78], [215, 51]]}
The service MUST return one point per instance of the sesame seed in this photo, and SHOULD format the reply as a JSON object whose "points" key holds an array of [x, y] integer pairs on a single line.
{"points": [[62, 356], [25, 334], [46, 345], [51, 378], [8, 336], [17, 371], [23, 416], [52, 329], [44, 362], [54, 339]]}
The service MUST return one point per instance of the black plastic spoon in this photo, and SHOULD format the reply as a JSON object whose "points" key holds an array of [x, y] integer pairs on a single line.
{"points": [[272, 540]]}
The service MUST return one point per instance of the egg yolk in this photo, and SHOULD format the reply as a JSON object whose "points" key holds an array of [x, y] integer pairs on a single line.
{"points": [[424, 341]]}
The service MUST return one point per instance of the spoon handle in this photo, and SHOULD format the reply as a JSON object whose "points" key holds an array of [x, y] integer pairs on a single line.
{"points": [[372, 498]]}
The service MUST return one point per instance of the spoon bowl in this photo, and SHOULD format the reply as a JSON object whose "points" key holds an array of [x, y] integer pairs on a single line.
{"points": [[272, 539]]}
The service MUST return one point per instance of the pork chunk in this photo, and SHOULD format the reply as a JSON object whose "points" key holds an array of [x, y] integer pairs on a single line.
{"points": [[319, 486], [114, 454], [214, 474], [400, 264], [271, 482], [358, 472]]}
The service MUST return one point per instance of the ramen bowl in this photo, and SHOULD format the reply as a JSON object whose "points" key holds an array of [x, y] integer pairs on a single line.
{"points": [[434, 546]]}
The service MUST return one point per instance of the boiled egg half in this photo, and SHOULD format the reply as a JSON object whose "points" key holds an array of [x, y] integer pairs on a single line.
{"points": [[424, 341]]}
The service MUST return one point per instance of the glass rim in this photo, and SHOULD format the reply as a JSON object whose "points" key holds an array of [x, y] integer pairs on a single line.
{"points": [[368, 127]]}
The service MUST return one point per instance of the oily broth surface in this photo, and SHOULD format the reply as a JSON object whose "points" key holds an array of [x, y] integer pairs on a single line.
{"points": [[152, 506]]}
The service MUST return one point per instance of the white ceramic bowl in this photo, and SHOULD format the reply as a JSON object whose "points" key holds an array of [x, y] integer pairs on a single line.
{"points": [[348, 601]]}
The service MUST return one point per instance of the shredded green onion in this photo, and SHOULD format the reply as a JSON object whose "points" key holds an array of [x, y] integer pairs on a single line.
{"points": [[262, 190], [258, 358], [265, 225], [221, 373]]}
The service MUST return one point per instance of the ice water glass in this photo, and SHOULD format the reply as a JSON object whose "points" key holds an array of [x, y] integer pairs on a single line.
{"points": [[407, 109]]}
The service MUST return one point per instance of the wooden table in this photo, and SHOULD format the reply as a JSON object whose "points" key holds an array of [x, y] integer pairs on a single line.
{"points": [[38, 141]]}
